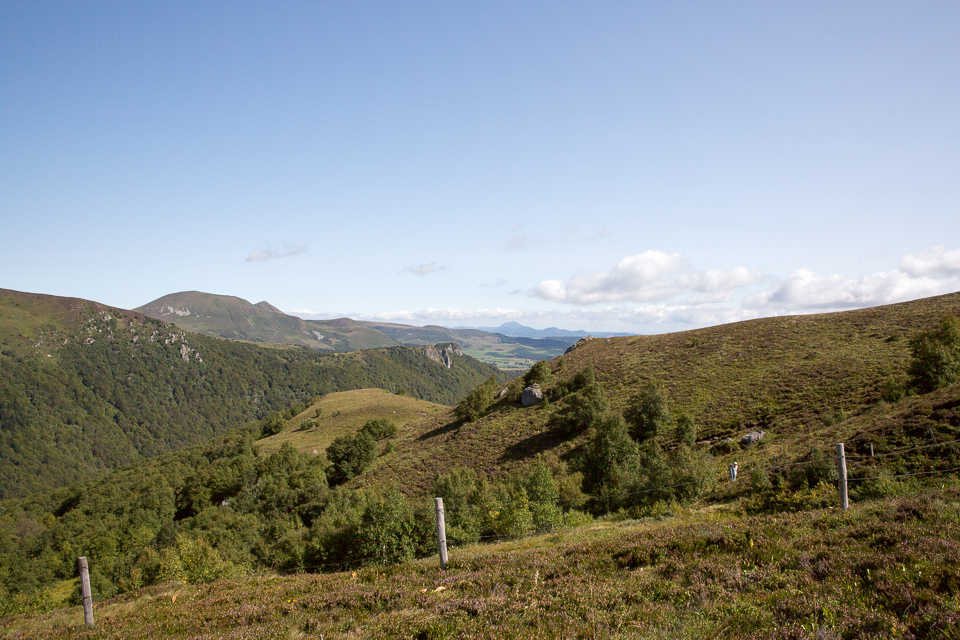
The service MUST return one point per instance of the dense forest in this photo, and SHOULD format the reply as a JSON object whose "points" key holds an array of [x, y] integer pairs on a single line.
{"points": [[82, 398]]}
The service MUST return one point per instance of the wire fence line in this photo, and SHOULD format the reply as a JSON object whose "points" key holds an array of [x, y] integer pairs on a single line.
{"points": [[455, 510]]}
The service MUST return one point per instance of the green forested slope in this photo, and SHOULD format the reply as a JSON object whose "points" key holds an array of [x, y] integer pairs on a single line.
{"points": [[87, 388]]}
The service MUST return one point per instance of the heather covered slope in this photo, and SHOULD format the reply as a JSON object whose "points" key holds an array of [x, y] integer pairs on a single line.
{"points": [[793, 377], [885, 569], [87, 388]]}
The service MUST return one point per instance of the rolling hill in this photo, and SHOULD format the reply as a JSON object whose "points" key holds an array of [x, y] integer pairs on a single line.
{"points": [[88, 388], [802, 379], [236, 319], [241, 503]]}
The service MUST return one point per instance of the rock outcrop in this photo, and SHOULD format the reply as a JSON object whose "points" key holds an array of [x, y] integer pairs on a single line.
{"points": [[442, 353], [532, 396], [579, 343], [752, 438]]}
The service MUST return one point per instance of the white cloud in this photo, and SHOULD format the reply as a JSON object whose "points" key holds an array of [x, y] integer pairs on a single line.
{"points": [[931, 262], [809, 292], [270, 253], [424, 269], [651, 276]]}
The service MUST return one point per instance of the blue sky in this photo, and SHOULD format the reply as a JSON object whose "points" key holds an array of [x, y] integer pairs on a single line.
{"points": [[640, 167]]}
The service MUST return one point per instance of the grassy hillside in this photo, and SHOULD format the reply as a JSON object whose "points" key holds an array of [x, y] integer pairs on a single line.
{"points": [[88, 388], [236, 319], [343, 413], [885, 569], [233, 507], [802, 379]]}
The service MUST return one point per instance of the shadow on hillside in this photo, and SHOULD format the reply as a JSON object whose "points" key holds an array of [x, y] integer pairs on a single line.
{"points": [[439, 431], [538, 443]]}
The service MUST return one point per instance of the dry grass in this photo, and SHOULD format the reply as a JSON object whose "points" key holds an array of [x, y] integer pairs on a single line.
{"points": [[343, 413]]}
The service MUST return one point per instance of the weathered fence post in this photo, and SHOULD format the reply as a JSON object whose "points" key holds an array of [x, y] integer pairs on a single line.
{"points": [[842, 472], [85, 591], [441, 533], [871, 450]]}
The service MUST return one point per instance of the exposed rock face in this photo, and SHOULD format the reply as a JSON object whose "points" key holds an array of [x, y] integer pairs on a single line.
{"points": [[442, 353], [579, 343], [532, 396], [752, 438]]}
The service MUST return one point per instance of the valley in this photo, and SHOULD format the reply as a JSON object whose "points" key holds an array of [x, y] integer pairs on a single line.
{"points": [[605, 509]]}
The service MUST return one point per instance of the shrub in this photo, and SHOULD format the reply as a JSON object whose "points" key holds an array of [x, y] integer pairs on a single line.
{"points": [[476, 402], [686, 431], [610, 465], [539, 374], [693, 473], [273, 424], [892, 390], [818, 467], [580, 379], [379, 429], [350, 456], [582, 409], [936, 356], [388, 531], [648, 414]]}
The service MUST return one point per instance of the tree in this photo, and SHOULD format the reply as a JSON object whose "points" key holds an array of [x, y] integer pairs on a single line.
{"points": [[648, 414], [538, 374], [379, 428], [477, 401], [350, 456], [582, 409], [936, 356], [686, 430], [611, 464]]}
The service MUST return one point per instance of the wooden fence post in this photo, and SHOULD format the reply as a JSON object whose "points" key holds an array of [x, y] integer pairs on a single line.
{"points": [[85, 591], [842, 472], [441, 533], [871, 450]]}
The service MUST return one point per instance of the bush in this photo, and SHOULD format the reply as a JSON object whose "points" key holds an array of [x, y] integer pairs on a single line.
{"points": [[648, 414], [582, 409], [379, 429], [686, 432], [892, 390], [273, 424], [539, 374], [693, 473], [580, 379], [477, 401], [610, 465], [936, 356], [817, 468], [350, 456]]}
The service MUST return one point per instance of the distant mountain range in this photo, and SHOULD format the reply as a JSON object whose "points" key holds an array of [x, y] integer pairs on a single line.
{"points": [[517, 330], [511, 346]]}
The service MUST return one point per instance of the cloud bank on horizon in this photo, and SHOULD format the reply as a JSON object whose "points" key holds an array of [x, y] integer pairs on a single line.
{"points": [[667, 289]]}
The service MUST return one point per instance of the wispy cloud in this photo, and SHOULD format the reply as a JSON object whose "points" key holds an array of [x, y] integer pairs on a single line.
{"points": [[499, 282], [423, 269], [270, 253], [522, 242], [651, 276]]}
